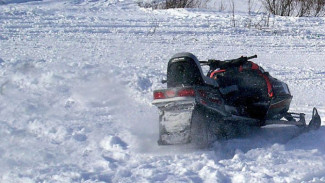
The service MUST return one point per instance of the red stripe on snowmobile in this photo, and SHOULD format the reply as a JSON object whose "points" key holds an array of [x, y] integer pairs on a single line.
{"points": [[266, 78], [215, 100], [202, 93], [254, 66], [188, 92], [206, 97], [215, 72], [241, 68], [268, 83]]}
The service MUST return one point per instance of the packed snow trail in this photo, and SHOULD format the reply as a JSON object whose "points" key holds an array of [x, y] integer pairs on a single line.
{"points": [[76, 82]]}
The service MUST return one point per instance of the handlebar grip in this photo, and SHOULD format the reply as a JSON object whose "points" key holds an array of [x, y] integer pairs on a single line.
{"points": [[254, 56], [203, 62]]}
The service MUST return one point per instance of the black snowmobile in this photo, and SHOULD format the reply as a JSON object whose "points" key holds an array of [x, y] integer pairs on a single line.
{"points": [[234, 94]]}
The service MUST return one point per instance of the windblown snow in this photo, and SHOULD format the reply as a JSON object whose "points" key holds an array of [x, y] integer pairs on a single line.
{"points": [[76, 82]]}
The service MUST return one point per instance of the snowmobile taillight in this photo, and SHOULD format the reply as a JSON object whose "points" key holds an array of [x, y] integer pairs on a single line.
{"points": [[170, 93], [163, 94], [188, 92], [159, 95]]}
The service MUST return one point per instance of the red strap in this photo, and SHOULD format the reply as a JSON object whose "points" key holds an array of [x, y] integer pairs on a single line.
{"points": [[217, 71]]}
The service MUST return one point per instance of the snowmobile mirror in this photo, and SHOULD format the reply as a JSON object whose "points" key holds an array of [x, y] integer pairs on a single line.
{"points": [[163, 81]]}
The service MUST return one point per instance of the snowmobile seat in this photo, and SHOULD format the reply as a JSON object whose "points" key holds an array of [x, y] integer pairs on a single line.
{"points": [[184, 70]]}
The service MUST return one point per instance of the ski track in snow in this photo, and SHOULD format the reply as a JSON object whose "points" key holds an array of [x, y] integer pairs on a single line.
{"points": [[76, 79]]}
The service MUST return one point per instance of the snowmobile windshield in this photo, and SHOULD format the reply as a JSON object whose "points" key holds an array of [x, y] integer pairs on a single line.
{"points": [[183, 72]]}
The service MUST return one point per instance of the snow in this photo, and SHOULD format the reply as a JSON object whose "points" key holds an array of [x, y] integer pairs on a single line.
{"points": [[15, 1], [76, 82], [239, 6]]}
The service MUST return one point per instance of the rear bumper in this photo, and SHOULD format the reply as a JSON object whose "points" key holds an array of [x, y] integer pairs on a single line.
{"points": [[175, 120], [173, 101]]}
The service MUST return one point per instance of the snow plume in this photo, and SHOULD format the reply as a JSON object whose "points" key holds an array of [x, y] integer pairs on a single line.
{"points": [[51, 111]]}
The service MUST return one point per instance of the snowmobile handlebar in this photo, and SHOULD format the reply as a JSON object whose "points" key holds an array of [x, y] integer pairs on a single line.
{"points": [[242, 58], [214, 64]]}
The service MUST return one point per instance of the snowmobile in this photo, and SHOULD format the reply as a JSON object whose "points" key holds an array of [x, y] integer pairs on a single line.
{"points": [[200, 108]]}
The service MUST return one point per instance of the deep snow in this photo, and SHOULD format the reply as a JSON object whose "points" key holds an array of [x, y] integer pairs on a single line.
{"points": [[76, 82]]}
